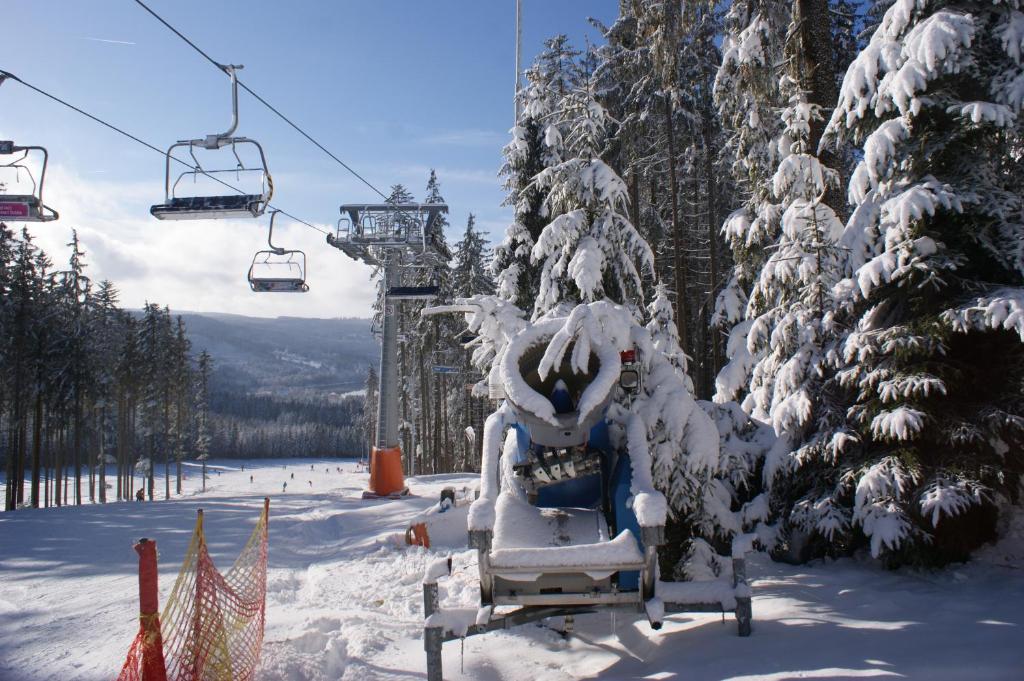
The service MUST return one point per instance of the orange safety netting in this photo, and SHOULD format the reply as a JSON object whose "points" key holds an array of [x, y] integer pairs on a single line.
{"points": [[211, 628]]}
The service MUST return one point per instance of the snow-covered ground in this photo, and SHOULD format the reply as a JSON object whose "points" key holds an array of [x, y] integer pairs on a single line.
{"points": [[344, 598]]}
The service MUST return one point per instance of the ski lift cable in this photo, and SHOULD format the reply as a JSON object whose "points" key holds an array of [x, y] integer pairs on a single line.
{"points": [[265, 103], [11, 76]]}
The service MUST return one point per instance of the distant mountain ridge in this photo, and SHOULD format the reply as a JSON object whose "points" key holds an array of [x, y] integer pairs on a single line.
{"points": [[291, 356]]}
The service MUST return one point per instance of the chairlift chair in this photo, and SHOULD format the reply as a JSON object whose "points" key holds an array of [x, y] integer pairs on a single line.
{"points": [[179, 205], [278, 270], [24, 207]]}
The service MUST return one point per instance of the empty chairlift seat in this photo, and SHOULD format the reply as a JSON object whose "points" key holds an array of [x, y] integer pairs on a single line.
{"points": [[213, 193], [207, 207], [17, 175], [200, 194], [277, 270]]}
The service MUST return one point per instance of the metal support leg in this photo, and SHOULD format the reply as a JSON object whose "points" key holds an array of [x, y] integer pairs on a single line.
{"points": [[433, 640], [433, 637], [744, 608]]}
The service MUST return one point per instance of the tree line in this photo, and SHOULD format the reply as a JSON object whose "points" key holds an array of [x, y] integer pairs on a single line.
{"points": [[85, 384], [248, 426]]}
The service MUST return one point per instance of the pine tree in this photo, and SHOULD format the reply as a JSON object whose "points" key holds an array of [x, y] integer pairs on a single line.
{"points": [[589, 250], [105, 331], [794, 337], [553, 75], [747, 96], [933, 358], [369, 417], [202, 409], [76, 369], [470, 267], [22, 304]]}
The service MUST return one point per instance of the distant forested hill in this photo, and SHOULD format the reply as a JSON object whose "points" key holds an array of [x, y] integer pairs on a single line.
{"points": [[284, 356], [277, 385]]}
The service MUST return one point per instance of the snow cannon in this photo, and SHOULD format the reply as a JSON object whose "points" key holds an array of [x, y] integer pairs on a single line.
{"points": [[559, 530], [568, 521]]}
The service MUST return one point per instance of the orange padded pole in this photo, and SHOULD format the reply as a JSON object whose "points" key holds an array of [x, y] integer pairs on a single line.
{"points": [[386, 476], [153, 668]]}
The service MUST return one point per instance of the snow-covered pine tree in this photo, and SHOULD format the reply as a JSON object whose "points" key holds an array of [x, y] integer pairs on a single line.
{"points": [[471, 263], [589, 249], [201, 409], [794, 337], [436, 342], [471, 276], [747, 95], [369, 416], [934, 359], [553, 74]]}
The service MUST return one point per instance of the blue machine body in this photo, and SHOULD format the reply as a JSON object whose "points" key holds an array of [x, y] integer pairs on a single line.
{"points": [[608, 490]]}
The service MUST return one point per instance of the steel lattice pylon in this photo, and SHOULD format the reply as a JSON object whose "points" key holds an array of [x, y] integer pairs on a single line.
{"points": [[396, 238]]}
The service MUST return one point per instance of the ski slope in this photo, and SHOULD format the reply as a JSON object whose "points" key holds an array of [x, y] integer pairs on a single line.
{"points": [[344, 598]]}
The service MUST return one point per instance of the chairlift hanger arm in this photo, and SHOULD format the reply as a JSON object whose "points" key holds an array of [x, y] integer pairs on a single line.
{"points": [[270, 234]]}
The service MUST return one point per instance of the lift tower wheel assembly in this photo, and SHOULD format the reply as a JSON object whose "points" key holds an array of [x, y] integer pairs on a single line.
{"points": [[394, 237]]}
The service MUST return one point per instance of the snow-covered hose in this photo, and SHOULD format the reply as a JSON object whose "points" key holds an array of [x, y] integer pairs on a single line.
{"points": [[481, 512]]}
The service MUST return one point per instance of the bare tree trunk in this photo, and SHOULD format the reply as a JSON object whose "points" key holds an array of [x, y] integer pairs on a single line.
{"points": [[48, 468], [678, 262], [713, 229], [76, 443], [167, 446], [446, 446], [179, 449], [816, 74], [37, 437], [634, 196], [102, 454], [61, 482]]}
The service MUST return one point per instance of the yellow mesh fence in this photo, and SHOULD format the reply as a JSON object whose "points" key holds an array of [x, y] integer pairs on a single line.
{"points": [[212, 624]]}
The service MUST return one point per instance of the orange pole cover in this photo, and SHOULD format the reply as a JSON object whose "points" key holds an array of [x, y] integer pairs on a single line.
{"points": [[386, 476]]}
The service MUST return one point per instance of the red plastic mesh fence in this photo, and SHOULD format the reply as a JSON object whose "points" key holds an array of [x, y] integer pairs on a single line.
{"points": [[212, 625]]}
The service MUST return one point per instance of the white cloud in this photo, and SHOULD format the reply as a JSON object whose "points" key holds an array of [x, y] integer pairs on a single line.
{"points": [[192, 265]]}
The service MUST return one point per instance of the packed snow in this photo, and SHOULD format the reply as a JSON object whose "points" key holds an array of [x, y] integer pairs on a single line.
{"points": [[344, 596]]}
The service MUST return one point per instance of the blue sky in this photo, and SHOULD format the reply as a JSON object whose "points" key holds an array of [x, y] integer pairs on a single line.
{"points": [[392, 87]]}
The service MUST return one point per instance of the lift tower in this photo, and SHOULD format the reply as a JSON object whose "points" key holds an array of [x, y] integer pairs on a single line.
{"points": [[397, 238]]}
